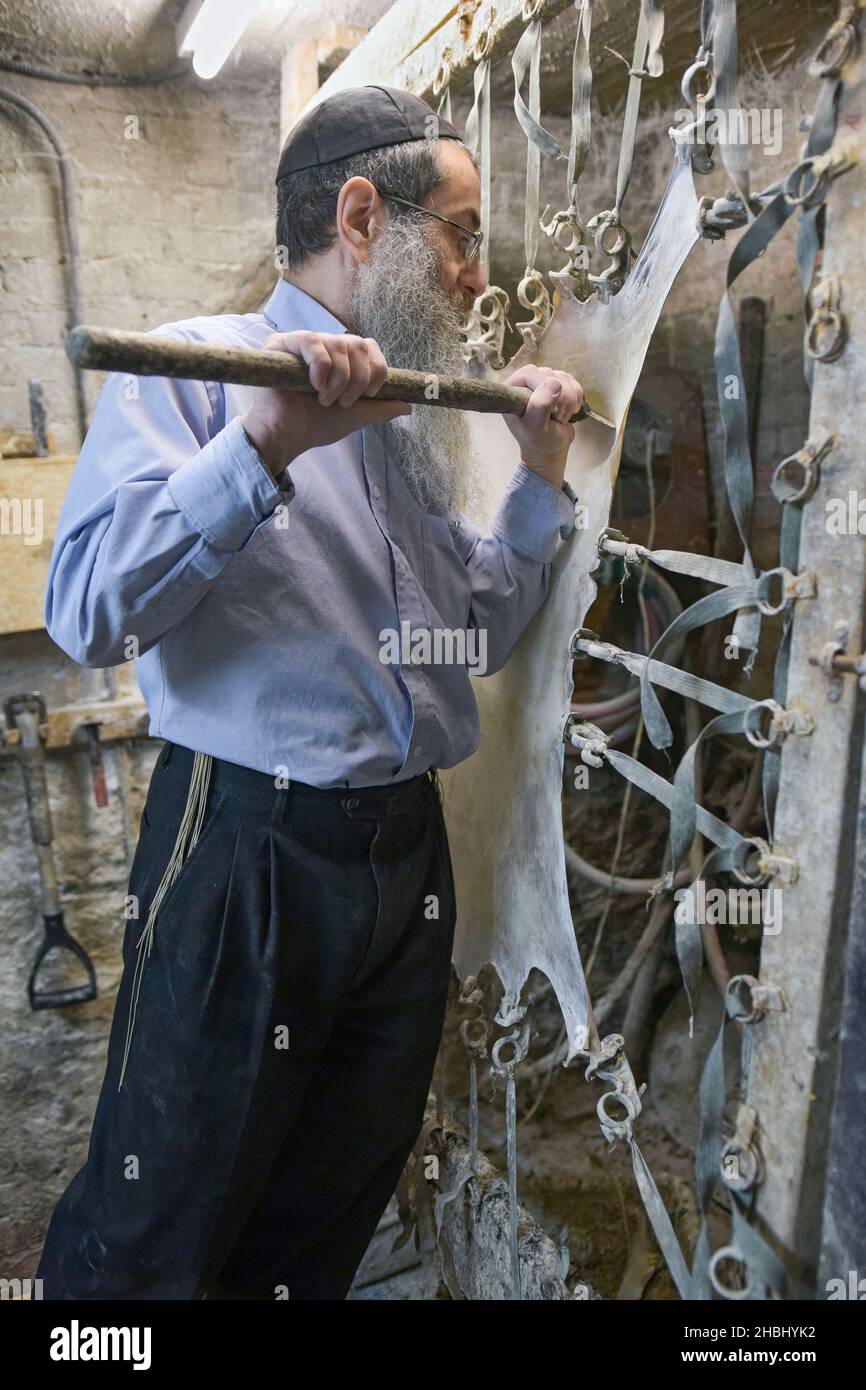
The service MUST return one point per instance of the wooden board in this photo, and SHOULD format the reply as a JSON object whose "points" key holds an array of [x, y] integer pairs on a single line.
{"points": [[31, 496]]}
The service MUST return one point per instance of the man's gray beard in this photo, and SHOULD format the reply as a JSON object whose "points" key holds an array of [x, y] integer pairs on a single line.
{"points": [[398, 299]]}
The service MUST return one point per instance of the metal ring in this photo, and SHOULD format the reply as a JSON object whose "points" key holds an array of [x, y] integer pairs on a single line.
{"points": [[531, 292], [443, 76], [729, 1252], [477, 1043], [613, 1124], [751, 1163], [701, 64], [483, 44], [766, 607], [809, 197], [488, 302], [620, 242], [603, 223], [530, 10], [752, 724], [830, 319], [740, 857], [786, 491], [840, 34], [519, 1040], [732, 993]]}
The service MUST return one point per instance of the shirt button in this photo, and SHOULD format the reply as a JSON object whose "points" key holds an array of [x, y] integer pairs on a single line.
{"points": [[377, 491], [417, 750]]}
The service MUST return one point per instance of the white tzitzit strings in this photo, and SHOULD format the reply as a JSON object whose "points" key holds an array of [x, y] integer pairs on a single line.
{"points": [[187, 838]]}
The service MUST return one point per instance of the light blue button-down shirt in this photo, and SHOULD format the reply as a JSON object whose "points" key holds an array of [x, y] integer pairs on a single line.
{"points": [[255, 607]]}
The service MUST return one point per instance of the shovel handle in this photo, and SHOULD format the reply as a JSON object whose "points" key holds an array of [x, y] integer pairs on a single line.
{"points": [[145, 354], [57, 936]]}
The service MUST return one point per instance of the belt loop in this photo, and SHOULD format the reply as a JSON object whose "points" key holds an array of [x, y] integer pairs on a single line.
{"points": [[166, 754]]}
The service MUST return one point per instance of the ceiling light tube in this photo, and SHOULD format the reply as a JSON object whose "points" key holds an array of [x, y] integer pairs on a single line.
{"points": [[210, 29]]}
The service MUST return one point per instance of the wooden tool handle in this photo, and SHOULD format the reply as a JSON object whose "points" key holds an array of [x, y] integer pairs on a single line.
{"points": [[143, 354]]}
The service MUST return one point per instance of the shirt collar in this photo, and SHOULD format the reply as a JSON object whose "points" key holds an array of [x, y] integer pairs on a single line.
{"points": [[290, 308]]}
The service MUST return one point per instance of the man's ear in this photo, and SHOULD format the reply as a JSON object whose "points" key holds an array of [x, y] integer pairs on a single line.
{"points": [[360, 212]]}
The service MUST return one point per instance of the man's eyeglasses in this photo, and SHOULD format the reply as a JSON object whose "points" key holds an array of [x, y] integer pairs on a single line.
{"points": [[475, 238]]}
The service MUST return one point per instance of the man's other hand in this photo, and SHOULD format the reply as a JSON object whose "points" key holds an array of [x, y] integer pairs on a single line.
{"points": [[543, 432], [346, 371]]}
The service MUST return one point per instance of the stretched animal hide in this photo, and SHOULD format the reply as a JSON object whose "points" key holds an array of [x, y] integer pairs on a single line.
{"points": [[503, 805]]}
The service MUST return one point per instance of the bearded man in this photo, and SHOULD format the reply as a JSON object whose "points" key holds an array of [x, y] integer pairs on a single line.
{"points": [[250, 548]]}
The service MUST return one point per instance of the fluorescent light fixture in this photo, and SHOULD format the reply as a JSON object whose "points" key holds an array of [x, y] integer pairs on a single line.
{"points": [[210, 29]]}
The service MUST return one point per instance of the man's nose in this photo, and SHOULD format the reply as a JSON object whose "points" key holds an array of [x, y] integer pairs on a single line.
{"points": [[473, 278]]}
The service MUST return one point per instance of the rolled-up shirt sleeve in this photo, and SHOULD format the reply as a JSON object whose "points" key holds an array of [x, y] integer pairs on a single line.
{"points": [[510, 568], [162, 495]]}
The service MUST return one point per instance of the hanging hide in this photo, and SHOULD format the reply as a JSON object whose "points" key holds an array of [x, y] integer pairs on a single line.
{"points": [[503, 805]]}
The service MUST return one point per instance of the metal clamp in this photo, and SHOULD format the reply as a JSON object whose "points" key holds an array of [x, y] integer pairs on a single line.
{"points": [[519, 1040], [808, 181], [716, 216], [483, 45], [747, 999], [781, 723], [735, 1254], [793, 586], [837, 45], [581, 639], [611, 280], [474, 1031], [484, 327], [702, 66], [611, 1064], [532, 294], [510, 1009], [747, 1168], [746, 859], [805, 466], [615, 543], [442, 77], [566, 231], [591, 740], [754, 863], [835, 662], [779, 866], [826, 320]]}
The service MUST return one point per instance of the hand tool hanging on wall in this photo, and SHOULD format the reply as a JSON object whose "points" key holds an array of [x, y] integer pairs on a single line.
{"points": [[143, 354], [25, 713]]}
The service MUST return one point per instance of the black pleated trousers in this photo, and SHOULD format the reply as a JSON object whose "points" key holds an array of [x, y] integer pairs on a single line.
{"points": [[284, 1041]]}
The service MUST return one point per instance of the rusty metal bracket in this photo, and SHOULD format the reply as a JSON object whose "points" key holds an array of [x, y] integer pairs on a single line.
{"points": [[779, 866], [808, 181], [827, 328], [588, 738], [837, 45], [781, 722], [748, 999], [755, 862], [835, 662], [610, 1063], [717, 216], [793, 586], [741, 1163], [796, 477]]}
